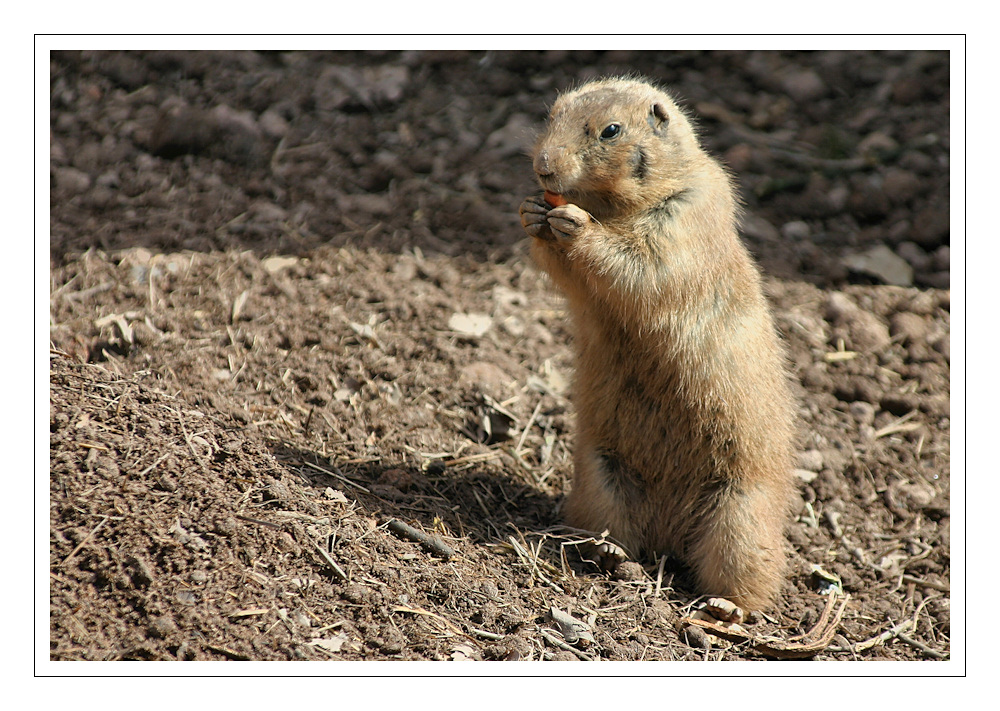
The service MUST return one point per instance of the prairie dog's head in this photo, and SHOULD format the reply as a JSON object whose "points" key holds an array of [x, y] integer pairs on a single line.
{"points": [[615, 144]]}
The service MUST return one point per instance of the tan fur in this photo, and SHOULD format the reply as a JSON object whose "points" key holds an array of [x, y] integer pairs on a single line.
{"points": [[685, 419]]}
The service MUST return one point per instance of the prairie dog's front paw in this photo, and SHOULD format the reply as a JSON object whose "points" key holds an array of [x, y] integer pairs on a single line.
{"points": [[569, 221], [533, 218]]}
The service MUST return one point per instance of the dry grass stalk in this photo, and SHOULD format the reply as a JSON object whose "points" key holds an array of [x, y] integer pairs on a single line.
{"points": [[900, 425], [450, 627], [533, 563], [337, 475], [329, 561], [85, 541]]}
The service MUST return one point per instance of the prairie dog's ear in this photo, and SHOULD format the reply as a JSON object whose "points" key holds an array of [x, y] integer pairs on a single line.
{"points": [[658, 119]]}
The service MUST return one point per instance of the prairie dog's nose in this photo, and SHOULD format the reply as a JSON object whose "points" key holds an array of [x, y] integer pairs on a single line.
{"points": [[544, 161]]}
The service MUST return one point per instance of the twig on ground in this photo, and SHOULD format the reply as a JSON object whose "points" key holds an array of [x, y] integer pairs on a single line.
{"points": [[932, 584], [231, 653], [877, 639], [930, 652], [431, 543], [556, 642], [275, 526], [524, 434]]}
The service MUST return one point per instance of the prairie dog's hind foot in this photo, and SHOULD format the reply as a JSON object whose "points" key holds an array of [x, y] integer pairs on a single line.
{"points": [[606, 554], [603, 553]]}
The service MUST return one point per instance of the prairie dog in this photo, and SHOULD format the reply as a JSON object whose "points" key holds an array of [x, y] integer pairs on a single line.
{"points": [[684, 439]]}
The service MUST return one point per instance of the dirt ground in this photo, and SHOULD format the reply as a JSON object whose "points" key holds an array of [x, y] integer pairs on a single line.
{"points": [[291, 306]]}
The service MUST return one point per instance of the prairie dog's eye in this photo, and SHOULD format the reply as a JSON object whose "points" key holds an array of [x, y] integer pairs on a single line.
{"points": [[611, 130]]}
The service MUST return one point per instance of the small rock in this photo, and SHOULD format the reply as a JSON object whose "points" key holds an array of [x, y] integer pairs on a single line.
{"points": [[877, 144], [696, 637], [505, 296], [470, 324], [937, 406], [356, 594], [811, 460], [460, 653], [71, 181], [863, 412], [286, 543], [225, 526], [161, 627], [882, 263], [335, 495], [923, 303], [237, 137], [858, 389], [273, 124], [87, 157], [277, 263], [629, 571], [840, 307], [805, 475], [913, 496], [907, 90], [796, 230], [868, 333], [838, 197], [899, 231], [804, 85], [513, 325], [910, 328]]}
